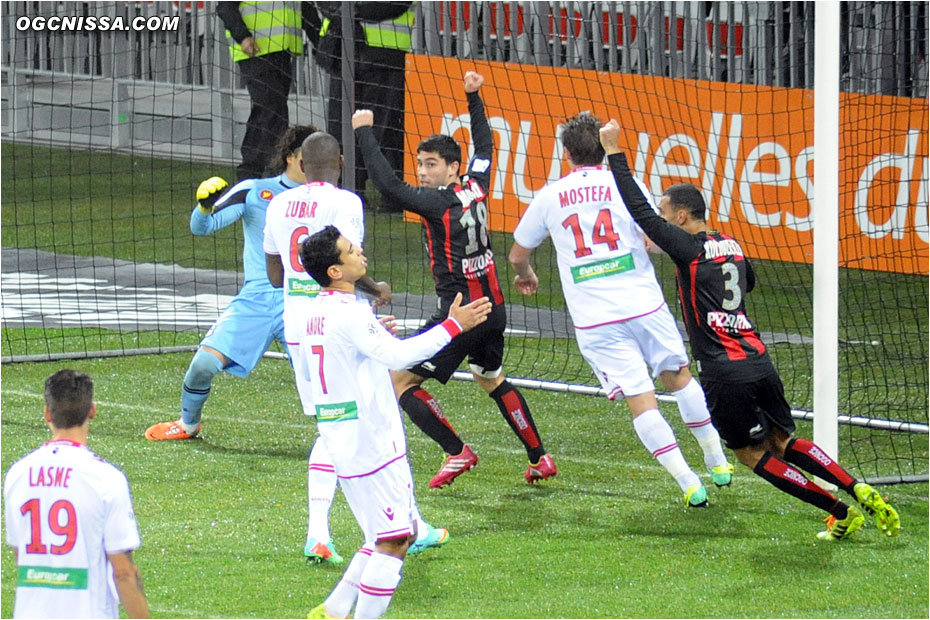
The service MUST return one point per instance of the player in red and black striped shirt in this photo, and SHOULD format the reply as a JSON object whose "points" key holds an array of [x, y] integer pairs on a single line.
{"points": [[455, 218], [744, 392]]}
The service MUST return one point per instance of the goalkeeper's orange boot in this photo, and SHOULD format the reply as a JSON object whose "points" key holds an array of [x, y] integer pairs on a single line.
{"points": [[169, 430], [545, 468], [454, 466]]}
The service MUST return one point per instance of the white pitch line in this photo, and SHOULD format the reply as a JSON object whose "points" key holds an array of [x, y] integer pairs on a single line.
{"points": [[740, 479], [162, 412], [582, 460]]}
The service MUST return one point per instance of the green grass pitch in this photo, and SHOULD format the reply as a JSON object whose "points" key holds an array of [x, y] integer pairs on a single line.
{"points": [[223, 518]]}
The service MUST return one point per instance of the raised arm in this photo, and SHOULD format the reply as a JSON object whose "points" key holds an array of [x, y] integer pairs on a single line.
{"points": [[420, 200], [677, 243], [480, 165]]}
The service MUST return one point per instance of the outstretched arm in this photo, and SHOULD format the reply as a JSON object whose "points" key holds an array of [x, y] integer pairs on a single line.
{"points": [[398, 354]]}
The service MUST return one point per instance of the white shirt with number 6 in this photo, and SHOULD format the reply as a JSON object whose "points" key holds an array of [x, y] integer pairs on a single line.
{"points": [[294, 215]]}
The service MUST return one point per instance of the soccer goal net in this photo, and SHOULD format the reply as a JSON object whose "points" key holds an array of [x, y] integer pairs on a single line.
{"points": [[108, 131]]}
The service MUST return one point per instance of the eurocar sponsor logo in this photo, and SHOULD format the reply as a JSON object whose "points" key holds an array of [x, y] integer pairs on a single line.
{"points": [[266, 194]]}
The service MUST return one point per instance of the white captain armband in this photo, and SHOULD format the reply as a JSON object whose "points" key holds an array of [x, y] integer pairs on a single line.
{"points": [[481, 165]]}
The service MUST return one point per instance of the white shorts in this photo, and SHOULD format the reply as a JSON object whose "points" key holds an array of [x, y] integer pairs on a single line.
{"points": [[618, 352], [382, 502]]}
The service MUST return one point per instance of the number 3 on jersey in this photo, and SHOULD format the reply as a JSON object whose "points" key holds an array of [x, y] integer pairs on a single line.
{"points": [[603, 232], [67, 527]]}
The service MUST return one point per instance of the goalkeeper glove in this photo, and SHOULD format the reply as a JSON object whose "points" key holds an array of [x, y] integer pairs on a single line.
{"points": [[208, 193]]}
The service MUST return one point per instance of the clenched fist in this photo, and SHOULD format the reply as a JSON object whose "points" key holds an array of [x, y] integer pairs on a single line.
{"points": [[209, 191]]}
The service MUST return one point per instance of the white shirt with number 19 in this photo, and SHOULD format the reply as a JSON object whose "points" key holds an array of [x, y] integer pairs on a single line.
{"points": [[294, 215], [605, 271], [346, 356], [65, 509]]}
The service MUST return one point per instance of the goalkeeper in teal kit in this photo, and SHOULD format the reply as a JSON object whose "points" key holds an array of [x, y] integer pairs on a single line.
{"points": [[254, 318]]}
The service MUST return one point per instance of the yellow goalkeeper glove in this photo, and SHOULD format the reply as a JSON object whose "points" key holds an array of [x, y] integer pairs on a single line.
{"points": [[208, 193]]}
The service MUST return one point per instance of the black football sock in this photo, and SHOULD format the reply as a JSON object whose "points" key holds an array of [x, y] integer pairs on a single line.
{"points": [[426, 413], [788, 479], [517, 413], [811, 458]]}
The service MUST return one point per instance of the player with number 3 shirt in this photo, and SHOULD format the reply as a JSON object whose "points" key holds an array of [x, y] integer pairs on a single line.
{"points": [[744, 392]]}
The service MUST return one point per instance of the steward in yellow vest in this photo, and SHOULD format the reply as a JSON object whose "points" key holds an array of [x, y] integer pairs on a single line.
{"points": [[272, 26], [383, 32]]}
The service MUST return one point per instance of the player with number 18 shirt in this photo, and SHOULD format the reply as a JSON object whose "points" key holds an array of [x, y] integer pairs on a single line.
{"points": [[454, 212]]}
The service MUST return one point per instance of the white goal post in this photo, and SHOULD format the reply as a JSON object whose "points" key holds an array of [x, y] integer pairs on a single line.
{"points": [[826, 224]]}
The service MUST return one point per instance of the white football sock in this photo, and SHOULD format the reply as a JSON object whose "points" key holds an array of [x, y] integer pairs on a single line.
{"points": [[340, 600], [659, 439], [692, 406], [379, 580], [321, 487]]}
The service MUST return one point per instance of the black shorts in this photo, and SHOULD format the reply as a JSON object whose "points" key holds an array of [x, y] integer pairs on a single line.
{"points": [[483, 346], [745, 413]]}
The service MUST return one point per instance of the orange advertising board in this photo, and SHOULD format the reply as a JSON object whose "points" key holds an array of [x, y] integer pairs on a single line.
{"points": [[749, 148]]}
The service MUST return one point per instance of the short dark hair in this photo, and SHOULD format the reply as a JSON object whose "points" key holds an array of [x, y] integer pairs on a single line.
{"points": [[581, 137], [319, 252], [321, 151], [69, 395], [288, 145], [449, 150], [688, 197]]}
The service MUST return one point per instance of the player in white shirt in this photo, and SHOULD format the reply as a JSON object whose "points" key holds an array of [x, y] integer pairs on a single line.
{"points": [[347, 357], [69, 518], [620, 316], [292, 216]]}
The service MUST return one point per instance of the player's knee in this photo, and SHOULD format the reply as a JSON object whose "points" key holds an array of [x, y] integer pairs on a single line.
{"points": [[750, 455], [675, 380], [488, 380], [396, 547], [203, 368], [403, 380]]}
